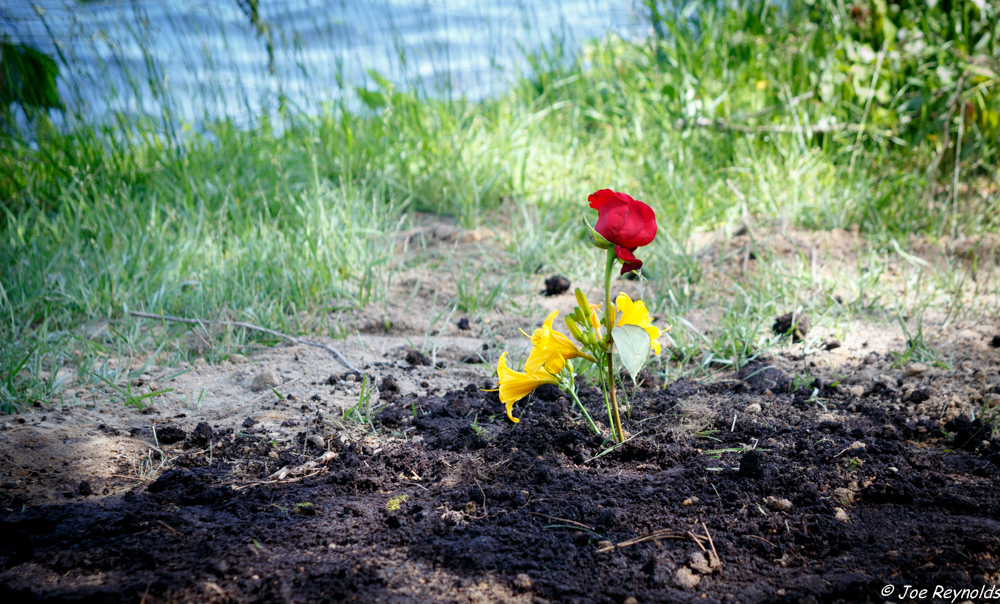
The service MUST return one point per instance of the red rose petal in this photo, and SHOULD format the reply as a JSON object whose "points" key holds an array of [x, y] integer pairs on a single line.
{"points": [[648, 232], [622, 220], [602, 197], [611, 220], [629, 261]]}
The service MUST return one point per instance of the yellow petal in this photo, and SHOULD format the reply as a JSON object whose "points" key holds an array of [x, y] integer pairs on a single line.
{"points": [[515, 385], [635, 313], [550, 349]]}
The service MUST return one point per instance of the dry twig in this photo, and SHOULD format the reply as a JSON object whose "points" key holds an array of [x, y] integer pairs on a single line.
{"points": [[655, 535], [252, 327], [170, 528], [566, 520], [290, 472], [287, 481]]}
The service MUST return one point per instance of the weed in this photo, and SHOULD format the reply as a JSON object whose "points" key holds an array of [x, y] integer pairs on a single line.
{"points": [[917, 348], [128, 397], [362, 412], [304, 508], [474, 296], [477, 429], [395, 502], [12, 381]]}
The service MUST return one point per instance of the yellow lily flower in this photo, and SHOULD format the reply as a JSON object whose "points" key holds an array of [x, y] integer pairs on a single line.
{"points": [[515, 385], [551, 349], [635, 313]]}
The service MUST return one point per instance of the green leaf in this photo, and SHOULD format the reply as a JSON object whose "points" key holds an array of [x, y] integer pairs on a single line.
{"points": [[633, 347], [382, 81], [595, 238], [373, 100]]}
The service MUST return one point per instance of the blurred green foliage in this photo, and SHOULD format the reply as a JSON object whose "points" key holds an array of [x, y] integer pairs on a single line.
{"points": [[28, 78]]}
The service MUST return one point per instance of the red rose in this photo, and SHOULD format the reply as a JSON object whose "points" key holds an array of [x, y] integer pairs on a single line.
{"points": [[625, 222]]}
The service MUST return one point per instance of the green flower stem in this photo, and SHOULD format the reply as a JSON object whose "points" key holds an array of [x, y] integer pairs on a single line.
{"points": [[593, 426], [604, 389], [567, 382], [609, 317]]}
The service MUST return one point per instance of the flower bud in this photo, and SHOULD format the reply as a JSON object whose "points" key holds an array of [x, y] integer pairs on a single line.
{"points": [[574, 329], [581, 300]]}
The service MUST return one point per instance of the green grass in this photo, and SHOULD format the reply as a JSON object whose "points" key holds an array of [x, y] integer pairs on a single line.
{"points": [[723, 116]]}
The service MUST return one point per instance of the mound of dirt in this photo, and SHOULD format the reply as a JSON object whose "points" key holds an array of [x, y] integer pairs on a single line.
{"points": [[450, 502]]}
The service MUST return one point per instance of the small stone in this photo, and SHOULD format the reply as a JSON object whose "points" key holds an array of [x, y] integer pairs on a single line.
{"points": [[265, 380], [887, 383], [522, 581], [85, 489], [916, 369], [690, 501], [237, 358], [843, 496], [700, 563], [840, 515], [893, 469], [856, 391], [630, 600], [831, 345], [991, 400], [687, 579], [98, 331], [777, 504], [857, 445], [827, 418], [604, 543], [317, 441], [752, 409]]}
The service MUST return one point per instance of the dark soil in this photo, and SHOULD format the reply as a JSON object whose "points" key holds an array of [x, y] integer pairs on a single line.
{"points": [[555, 285], [792, 324], [450, 502]]}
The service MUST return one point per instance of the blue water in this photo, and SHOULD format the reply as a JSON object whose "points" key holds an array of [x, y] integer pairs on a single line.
{"points": [[187, 61]]}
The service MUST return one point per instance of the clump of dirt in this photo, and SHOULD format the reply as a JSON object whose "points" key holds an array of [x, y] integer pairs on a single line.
{"points": [[449, 501], [795, 325], [555, 285]]}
